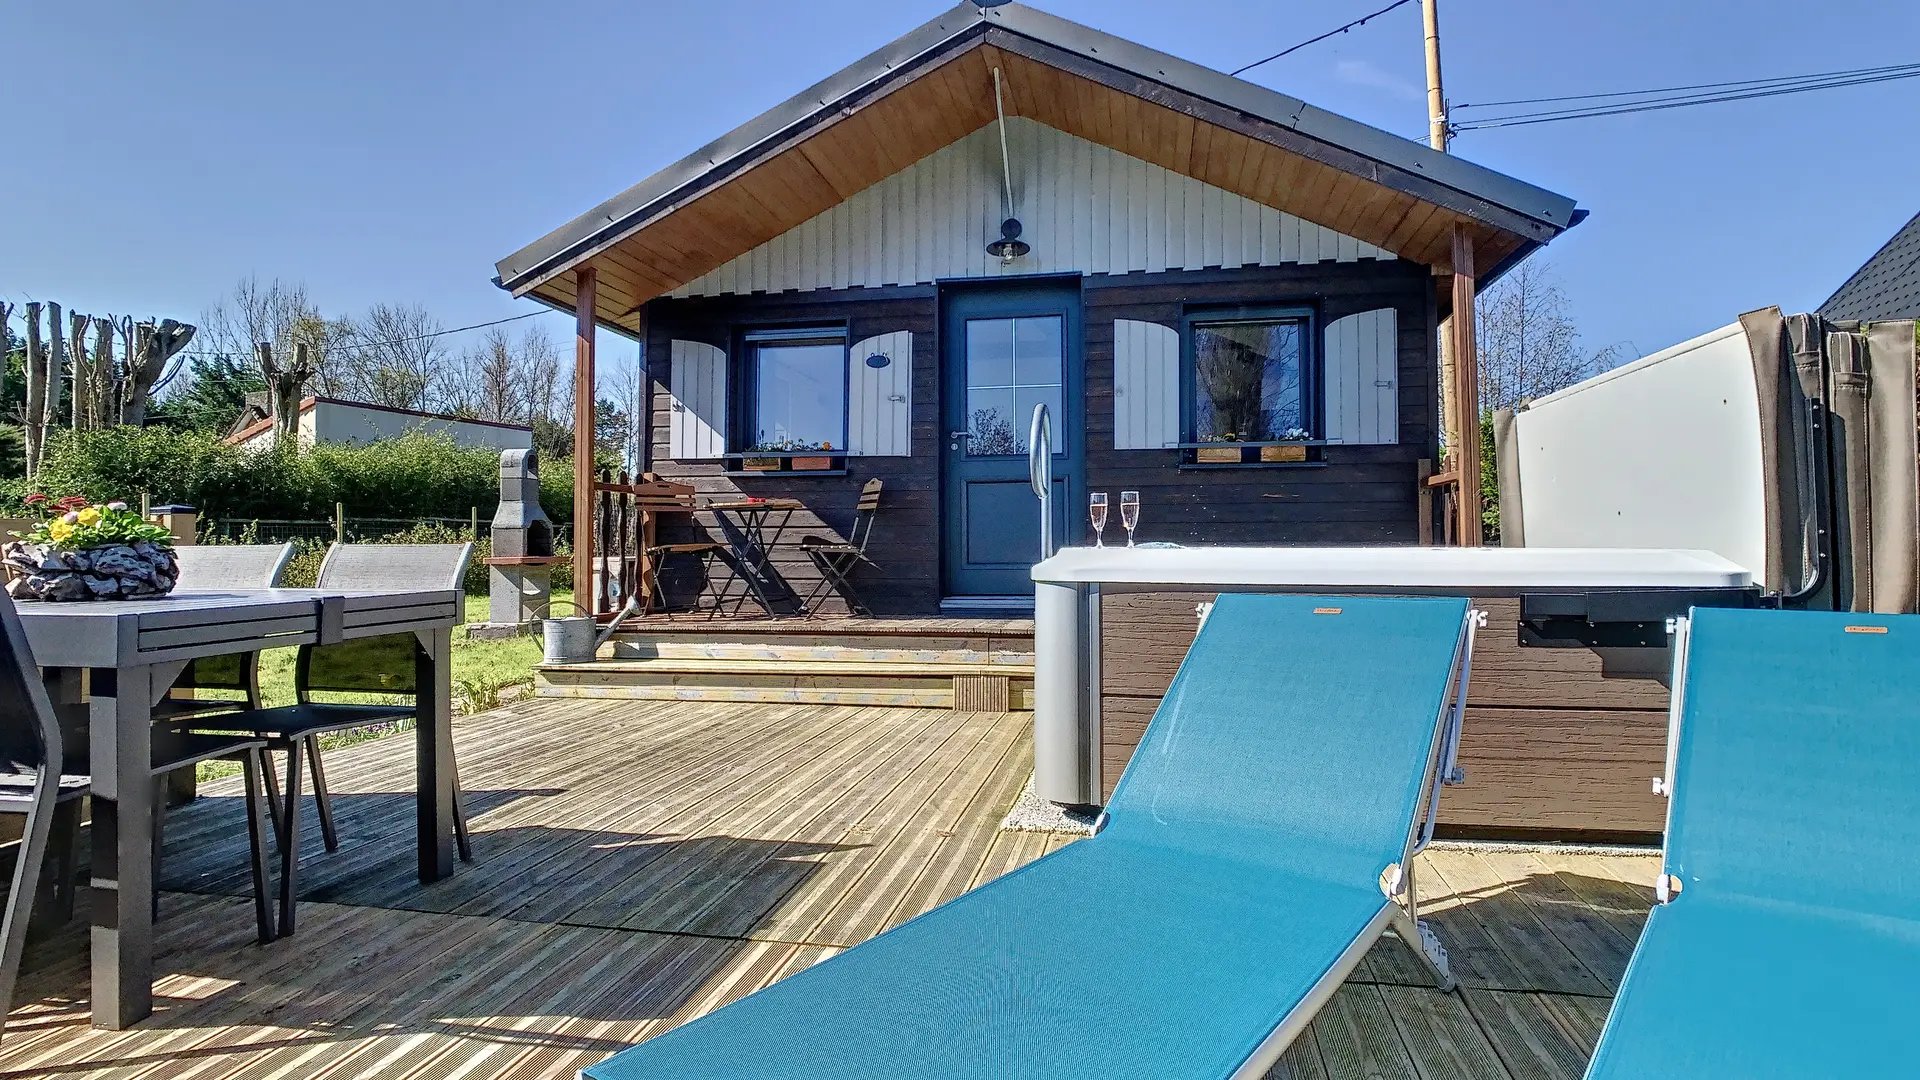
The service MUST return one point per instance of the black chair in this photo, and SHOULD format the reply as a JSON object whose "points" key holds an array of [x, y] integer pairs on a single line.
{"points": [[33, 784], [218, 566], [384, 665], [836, 560]]}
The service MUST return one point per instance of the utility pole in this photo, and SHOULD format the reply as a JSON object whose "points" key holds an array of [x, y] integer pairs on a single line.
{"points": [[1436, 96]]}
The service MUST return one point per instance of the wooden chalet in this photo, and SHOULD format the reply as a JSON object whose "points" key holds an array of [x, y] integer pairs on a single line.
{"points": [[1229, 299]]}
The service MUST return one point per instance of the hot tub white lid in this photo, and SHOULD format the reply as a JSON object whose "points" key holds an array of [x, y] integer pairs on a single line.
{"points": [[1395, 567]]}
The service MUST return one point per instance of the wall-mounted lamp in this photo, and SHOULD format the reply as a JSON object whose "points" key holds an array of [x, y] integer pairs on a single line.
{"points": [[1009, 247]]}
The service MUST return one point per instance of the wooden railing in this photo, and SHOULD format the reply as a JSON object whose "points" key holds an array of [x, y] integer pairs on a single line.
{"points": [[626, 517], [1446, 487]]}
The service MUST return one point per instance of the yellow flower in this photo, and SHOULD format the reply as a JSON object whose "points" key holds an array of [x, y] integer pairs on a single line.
{"points": [[90, 516], [59, 530]]}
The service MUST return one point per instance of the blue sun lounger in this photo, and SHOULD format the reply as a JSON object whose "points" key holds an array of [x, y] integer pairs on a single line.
{"points": [[1251, 855], [1788, 940]]}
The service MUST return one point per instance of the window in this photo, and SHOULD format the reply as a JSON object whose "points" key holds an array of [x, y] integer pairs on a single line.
{"points": [[798, 395], [1012, 365], [1249, 380]]}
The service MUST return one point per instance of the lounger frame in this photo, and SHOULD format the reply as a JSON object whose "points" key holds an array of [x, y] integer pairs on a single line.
{"points": [[1401, 912]]}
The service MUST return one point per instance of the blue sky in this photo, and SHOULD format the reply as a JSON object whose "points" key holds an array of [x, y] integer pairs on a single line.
{"points": [[395, 150]]}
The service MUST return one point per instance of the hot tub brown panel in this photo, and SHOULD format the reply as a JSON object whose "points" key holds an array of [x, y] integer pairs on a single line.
{"points": [[1553, 744]]}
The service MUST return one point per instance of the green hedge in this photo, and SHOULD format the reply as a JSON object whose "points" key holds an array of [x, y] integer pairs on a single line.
{"points": [[415, 475]]}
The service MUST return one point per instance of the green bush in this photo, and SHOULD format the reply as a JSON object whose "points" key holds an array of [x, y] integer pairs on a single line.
{"points": [[414, 475]]}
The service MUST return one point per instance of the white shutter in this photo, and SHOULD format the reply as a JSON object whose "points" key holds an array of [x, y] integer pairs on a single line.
{"points": [[880, 399], [1362, 375], [1146, 385], [697, 395]]}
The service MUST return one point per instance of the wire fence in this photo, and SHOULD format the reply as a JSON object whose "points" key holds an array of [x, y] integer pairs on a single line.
{"points": [[348, 530]]}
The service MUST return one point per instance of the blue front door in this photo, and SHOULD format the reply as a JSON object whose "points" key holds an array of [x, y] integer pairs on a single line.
{"points": [[1004, 349]]}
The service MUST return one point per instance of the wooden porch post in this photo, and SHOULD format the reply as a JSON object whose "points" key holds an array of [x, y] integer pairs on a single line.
{"points": [[586, 287], [1466, 389]]}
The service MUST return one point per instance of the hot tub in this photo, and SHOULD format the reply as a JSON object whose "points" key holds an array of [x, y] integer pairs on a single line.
{"points": [[1566, 717]]}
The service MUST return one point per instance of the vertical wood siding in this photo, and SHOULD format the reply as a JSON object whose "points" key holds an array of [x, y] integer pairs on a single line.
{"points": [[698, 399], [1146, 385], [880, 400], [1084, 206], [1362, 398]]}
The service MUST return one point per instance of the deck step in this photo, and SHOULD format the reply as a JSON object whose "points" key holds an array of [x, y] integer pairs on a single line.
{"points": [[812, 650], [917, 691]]}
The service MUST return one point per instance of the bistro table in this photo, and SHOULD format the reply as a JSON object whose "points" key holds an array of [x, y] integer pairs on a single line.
{"points": [[757, 525], [121, 657]]}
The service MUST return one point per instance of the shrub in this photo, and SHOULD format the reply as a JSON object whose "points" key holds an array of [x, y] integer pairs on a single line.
{"points": [[414, 475]]}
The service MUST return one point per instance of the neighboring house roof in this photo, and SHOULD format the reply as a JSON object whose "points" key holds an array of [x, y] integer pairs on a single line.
{"points": [[935, 85], [1887, 287], [262, 426]]}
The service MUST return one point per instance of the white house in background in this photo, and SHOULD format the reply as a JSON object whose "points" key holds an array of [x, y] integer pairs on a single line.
{"points": [[330, 420]]}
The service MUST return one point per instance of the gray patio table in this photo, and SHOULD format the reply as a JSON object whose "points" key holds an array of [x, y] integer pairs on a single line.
{"points": [[120, 657]]}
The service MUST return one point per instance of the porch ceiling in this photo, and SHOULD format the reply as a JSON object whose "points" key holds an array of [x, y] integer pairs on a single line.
{"points": [[935, 86]]}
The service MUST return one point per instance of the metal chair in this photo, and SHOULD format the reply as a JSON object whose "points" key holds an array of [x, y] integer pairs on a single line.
{"points": [[382, 665], [33, 783], [836, 560], [216, 566]]}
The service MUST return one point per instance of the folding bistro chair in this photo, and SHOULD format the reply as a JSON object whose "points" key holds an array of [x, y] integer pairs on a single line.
{"points": [[1787, 935], [381, 665], [836, 560], [1258, 845], [34, 784]]}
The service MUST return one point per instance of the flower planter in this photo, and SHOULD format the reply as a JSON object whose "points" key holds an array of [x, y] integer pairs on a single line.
{"points": [[1283, 453], [811, 464], [1218, 455], [137, 571], [761, 464]]}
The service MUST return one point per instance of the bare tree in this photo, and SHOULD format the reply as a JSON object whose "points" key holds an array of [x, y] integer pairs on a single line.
{"points": [[394, 356], [6, 343], [1529, 346], [285, 385], [155, 345], [548, 396], [36, 364], [491, 384]]}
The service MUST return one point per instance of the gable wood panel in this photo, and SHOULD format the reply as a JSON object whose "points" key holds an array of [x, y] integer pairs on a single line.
{"points": [[1085, 208]]}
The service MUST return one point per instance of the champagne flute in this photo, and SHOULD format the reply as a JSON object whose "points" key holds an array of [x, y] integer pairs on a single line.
{"points": [[1097, 510], [1129, 512]]}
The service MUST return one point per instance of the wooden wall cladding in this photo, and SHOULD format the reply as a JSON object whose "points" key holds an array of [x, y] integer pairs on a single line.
{"points": [[1553, 741]]}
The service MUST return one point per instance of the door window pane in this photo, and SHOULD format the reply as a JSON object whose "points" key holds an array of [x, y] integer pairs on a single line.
{"points": [[800, 396], [1012, 364], [1247, 381]]}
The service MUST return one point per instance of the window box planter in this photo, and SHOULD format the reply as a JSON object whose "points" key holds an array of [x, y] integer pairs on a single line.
{"points": [[770, 462], [1283, 453], [1218, 455]]}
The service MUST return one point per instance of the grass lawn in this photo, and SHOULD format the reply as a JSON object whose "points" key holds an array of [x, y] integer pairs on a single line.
{"points": [[483, 673]]}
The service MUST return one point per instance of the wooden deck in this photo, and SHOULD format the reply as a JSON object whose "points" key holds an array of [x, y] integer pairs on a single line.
{"points": [[641, 863]]}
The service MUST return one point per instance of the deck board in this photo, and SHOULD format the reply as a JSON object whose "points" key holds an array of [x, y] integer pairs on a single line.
{"points": [[642, 863]]}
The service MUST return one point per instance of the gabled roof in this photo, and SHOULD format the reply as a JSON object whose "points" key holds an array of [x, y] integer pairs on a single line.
{"points": [[935, 85], [1887, 287]]}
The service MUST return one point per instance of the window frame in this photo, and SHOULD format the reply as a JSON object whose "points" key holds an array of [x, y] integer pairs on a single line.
{"points": [[747, 342], [1312, 409]]}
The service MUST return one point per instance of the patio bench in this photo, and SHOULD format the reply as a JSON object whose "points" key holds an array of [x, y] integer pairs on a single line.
{"points": [[1256, 848]]}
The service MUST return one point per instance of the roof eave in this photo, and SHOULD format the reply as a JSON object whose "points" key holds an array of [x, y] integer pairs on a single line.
{"points": [[662, 192]]}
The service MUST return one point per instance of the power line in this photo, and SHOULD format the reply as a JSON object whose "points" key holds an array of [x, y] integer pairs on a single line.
{"points": [[416, 337], [1362, 21], [1741, 83], [1678, 101]]}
